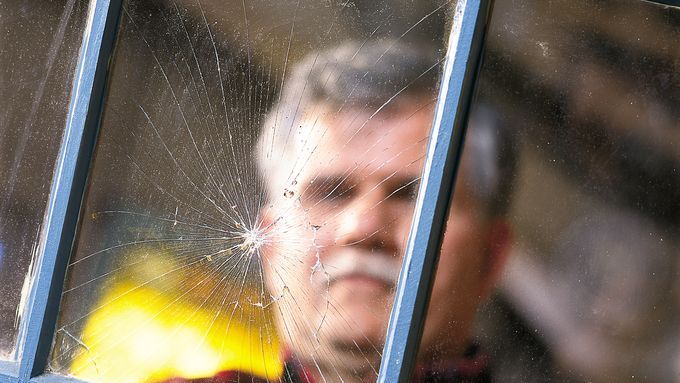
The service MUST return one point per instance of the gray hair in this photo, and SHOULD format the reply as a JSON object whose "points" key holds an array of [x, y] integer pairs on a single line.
{"points": [[370, 76]]}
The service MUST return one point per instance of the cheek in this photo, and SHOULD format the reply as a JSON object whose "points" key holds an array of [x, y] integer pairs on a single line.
{"points": [[461, 262], [287, 256], [289, 276], [401, 234], [400, 219]]}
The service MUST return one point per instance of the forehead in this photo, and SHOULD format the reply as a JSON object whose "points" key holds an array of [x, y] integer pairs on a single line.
{"points": [[356, 140]]}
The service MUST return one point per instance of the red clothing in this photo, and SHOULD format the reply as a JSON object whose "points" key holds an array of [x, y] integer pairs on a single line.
{"points": [[473, 368]]}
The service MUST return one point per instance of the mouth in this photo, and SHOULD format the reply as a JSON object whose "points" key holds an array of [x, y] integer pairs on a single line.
{"points": [[359, 268]]}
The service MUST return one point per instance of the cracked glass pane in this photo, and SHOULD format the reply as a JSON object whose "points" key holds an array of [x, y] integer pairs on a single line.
{"points": [[252, 190], [567, 196], [39, 44]]}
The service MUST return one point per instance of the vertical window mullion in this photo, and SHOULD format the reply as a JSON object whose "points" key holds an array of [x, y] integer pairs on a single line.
{"points": [[69, 183], [444, 150]]}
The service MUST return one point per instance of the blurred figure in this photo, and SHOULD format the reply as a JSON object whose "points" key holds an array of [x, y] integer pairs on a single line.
{"points": [[346, 168]]}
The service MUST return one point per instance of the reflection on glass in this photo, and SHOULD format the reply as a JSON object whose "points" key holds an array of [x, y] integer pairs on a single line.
{"points": [[39, 43], [584, 96], [252, 190]]}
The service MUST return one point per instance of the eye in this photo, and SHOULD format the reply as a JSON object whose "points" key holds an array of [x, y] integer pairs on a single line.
{"points": [[406, 190]]}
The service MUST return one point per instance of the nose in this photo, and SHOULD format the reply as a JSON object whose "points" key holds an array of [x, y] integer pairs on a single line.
{"points": [[365, 222]]}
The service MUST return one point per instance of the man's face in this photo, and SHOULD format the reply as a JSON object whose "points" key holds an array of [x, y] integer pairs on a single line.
{"points": [[339, 235]]}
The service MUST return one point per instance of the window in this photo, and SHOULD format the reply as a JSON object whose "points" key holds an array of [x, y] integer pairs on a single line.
{"points": [[225, 140], [38, 53], [239, 196]]}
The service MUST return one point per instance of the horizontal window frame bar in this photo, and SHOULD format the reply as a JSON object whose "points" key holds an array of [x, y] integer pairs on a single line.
{"points": [[9, 371], [672, 3], [54, 378]]}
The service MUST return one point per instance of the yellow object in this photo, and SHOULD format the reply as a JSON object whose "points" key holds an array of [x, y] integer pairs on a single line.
{"points": [[140, 334]]}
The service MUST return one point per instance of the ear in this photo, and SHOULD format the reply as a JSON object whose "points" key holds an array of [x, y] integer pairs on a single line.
{"points": [[498, 251]]}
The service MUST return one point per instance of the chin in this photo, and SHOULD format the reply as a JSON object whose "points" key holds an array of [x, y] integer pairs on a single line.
{"points": [[356, 329], [362, 359]]}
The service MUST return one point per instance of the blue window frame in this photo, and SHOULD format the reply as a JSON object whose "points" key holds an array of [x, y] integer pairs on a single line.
{"points": [[66, 191], [406, 323]]}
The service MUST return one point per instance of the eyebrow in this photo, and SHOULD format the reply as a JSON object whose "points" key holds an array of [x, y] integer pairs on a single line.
{"points": [[403, 180], [338, 179], [335, 180], [332, 179]]}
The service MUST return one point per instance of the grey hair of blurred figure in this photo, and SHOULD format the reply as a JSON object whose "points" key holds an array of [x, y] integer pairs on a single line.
{"points": [[372, 77]]}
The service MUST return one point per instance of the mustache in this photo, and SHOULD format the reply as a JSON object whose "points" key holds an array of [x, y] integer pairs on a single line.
{"points": [[379, 265]]}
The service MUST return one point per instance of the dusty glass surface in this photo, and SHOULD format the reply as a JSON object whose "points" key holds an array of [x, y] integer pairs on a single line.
{"points": [[39, 43], [568, 200], [252, 190]]}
